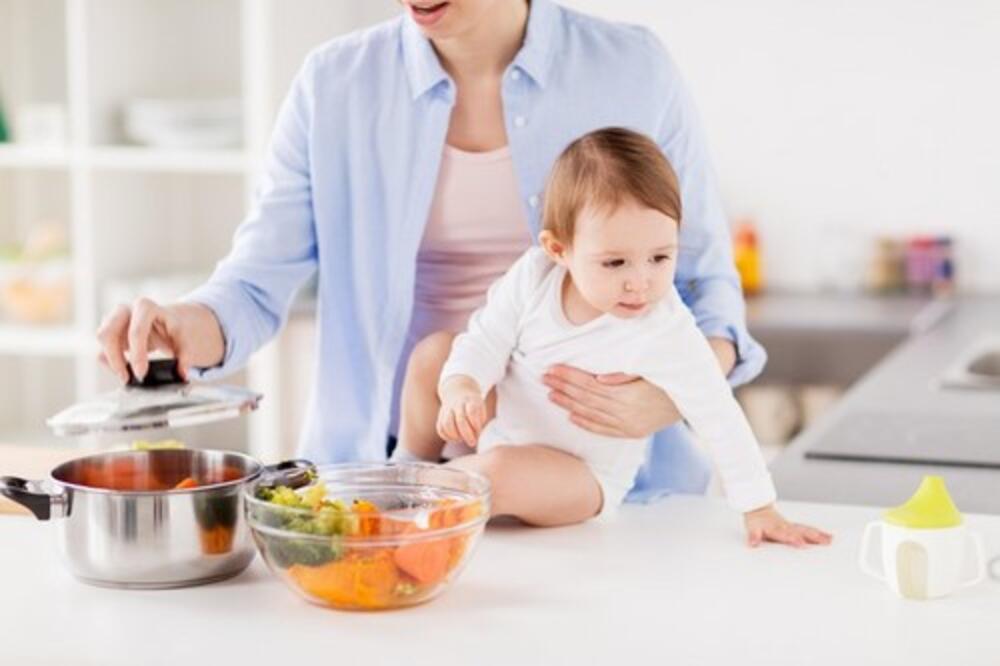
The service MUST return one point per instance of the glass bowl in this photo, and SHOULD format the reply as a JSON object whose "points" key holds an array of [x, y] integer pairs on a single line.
{"points": [[370, 536]]}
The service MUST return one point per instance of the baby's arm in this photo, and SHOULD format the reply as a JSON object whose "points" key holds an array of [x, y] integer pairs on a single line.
{"points": [[687, 370], [463, 412], [482, 351], [479, 356]]}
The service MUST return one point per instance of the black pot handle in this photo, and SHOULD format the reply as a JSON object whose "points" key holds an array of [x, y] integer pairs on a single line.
{"points": [[161, 372], [19, 490], [291, 473]]}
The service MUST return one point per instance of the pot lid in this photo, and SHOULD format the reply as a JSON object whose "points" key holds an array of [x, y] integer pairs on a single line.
{"points": [[162, 399]]}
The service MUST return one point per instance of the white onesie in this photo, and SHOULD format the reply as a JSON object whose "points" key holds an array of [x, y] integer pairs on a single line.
{"points": [[522, 330]]}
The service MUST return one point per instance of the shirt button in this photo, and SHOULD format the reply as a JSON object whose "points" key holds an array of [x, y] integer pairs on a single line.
{"points": [[520, 121], [533, 201], [515, 75]]}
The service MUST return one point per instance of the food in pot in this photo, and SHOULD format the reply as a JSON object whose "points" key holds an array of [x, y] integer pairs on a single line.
{"points": [[128, 474]]}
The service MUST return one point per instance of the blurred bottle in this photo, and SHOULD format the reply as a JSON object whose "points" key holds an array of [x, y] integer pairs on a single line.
{"points": [[920, 264], [943, 279], [4, 134], [885, 269], [746, 253]]}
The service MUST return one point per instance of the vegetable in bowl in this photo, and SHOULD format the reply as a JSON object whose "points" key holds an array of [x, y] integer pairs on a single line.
{"points": [[389, 545]]}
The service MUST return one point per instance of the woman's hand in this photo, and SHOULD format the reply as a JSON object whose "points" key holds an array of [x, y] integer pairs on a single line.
{"points": [[190, 332], [615, 405], [620, 405], [463, 411], [766, 524]]}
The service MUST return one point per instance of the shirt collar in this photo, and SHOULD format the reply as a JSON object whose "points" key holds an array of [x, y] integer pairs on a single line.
{"points": [[535, 57], [422, 65]]}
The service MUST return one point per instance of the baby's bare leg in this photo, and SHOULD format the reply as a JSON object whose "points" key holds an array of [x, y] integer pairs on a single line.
{"points": [[419, 403], [537, 484]]}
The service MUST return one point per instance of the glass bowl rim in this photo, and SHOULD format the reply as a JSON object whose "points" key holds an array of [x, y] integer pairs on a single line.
{"points": [[482, 497]]}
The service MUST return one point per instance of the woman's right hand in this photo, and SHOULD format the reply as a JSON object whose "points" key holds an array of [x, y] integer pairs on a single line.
{"points": [[189, 332], [463, 411]]}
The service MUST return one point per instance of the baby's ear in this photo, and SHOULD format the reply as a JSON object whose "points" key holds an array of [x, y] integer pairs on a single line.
{"points": [[553, 247]]}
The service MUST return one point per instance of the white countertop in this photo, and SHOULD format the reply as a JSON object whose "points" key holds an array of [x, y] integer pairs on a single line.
{"points": [[667, 583]]}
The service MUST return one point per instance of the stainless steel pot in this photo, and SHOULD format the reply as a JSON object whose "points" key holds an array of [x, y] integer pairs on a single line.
{"points": [[124, 524]]}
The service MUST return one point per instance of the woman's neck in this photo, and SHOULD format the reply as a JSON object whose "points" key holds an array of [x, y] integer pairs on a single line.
{"points": [[487, 48]]}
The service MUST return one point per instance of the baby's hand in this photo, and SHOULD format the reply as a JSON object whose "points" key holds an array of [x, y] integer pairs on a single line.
{"points": [[463, 411], [766, 524]]}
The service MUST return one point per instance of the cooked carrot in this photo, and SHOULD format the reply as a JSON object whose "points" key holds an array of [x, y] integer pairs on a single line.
{"points": [[186, 484], [425, 561], [364, 580], [216, 540], [368, 520]]}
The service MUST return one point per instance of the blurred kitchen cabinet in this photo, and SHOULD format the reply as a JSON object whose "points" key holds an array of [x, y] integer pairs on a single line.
{"points": [[104, 99]]}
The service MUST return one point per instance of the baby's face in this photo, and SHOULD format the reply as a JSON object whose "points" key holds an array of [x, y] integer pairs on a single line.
{"points": [[622, 262]]}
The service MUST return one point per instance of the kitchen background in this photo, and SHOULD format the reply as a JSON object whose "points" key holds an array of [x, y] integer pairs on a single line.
{"points": [[832, 126]]}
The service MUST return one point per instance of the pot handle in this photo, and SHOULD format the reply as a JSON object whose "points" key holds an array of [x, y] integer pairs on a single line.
{"points": [[29, 495], [292, 473]]}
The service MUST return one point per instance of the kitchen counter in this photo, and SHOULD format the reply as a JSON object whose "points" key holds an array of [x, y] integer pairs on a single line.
{"points": [[902, 391], [838, 312], [665, 583]]}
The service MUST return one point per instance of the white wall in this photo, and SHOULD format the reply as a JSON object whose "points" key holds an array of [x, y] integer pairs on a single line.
{"points": [[834, 121]]}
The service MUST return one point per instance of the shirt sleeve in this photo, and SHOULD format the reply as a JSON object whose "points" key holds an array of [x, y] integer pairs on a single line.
{"points": [[687, 370], [706, 275], [274, 250], [483, 350]]}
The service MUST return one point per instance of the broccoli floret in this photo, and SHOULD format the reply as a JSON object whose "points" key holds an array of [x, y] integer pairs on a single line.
{"points": [[285, 552]]}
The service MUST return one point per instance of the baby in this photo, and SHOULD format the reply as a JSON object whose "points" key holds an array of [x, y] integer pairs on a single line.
{"points": [[596, 294]]}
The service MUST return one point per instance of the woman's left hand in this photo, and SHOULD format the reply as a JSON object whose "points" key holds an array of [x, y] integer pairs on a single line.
{"points": [[615, 405]]}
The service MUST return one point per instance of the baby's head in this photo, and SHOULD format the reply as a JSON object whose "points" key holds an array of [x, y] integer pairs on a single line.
{"points": [[612, 210]]}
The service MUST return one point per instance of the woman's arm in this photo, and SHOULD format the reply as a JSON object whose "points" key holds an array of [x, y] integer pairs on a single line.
{"points": [[274, 251], [706, 275]]}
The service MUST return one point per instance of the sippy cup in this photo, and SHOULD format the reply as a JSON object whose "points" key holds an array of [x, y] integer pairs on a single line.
{"points": [[924, 545]]}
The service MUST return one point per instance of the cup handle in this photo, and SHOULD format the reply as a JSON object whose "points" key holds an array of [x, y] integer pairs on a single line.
{"points": [[980, 576], [863, 553]]}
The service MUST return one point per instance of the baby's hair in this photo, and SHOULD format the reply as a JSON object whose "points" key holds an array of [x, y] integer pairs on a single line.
{"points": [[604, 169]]}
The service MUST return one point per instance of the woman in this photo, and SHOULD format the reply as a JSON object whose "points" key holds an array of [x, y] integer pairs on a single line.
{"points": [[368, 178]]}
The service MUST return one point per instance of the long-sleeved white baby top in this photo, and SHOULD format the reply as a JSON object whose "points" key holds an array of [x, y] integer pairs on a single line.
{"points": [[522, 331]]}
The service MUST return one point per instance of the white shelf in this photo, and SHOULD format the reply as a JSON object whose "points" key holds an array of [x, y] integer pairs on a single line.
{"points": [[134, 211], [137, 158], [125, 158], [13, 156], [58, 341]]}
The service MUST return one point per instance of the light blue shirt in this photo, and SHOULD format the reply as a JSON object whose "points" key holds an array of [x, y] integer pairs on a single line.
{"points": [[348, 183]]}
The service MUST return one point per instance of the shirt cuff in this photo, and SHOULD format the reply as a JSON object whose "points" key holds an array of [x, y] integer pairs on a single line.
{"points": [[226, 308], [719, 312], [751, 494]]}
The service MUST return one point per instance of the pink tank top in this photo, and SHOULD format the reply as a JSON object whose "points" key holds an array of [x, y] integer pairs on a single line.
{"points": [[476, 229]]}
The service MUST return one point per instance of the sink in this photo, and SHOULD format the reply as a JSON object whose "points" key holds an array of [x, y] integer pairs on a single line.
{"points": [[840, 358], [977, 368], [986, 365]]}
